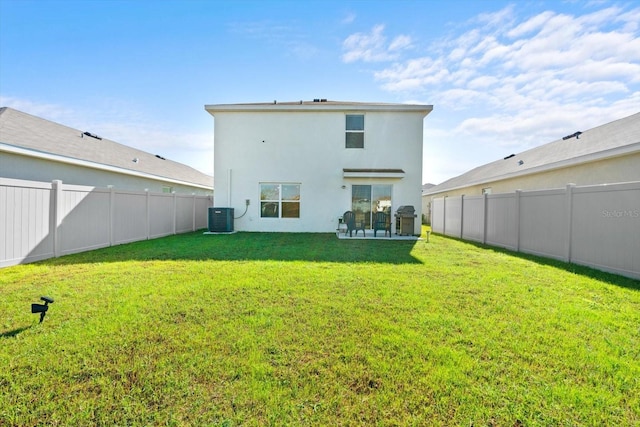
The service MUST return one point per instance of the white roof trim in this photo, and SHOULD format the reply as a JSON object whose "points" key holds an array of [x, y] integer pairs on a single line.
{"points": [[318, 106]]}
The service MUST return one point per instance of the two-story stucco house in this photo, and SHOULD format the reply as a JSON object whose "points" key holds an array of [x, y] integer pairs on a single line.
{"points": [[298, 166]]}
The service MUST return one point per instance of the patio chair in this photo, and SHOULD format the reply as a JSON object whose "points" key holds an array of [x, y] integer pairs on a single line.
{"points": [[349, 218], [381, 221]]}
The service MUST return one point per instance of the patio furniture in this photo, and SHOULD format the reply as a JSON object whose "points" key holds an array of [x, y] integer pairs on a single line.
{"points": [[381, 221], [349, 218], [405, 219]]}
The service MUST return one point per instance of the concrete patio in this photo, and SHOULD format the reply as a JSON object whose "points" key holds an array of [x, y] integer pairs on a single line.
{"points": [[369, 235]]}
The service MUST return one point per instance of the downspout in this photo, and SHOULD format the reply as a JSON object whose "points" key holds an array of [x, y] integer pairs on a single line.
{"points": [[229, 187]]}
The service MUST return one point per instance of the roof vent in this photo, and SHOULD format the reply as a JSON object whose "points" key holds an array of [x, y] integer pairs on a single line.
{"points": [[577, 135], [509, 156], [92, 135], [160, 157]]}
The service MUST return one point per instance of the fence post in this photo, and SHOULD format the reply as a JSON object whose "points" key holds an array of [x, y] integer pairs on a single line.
{"points": [[148, 212], [56, 217], [112, 202], [485, 221], [431, 212], [193, 210], [568, 209], [444, 215], [517, 215], [175, 214], [461, 216]]}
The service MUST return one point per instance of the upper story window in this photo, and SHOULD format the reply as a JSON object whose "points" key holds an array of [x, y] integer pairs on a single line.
{"points": [[354, 131], [279, 200]]}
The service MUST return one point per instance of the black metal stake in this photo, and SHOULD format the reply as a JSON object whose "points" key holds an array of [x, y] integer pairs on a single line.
{"points": [[40, 308]]}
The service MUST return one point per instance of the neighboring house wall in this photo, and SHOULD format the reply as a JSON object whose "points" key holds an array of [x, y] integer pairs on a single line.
{"points": [[36, 169], [612, 170], [308, 148]]}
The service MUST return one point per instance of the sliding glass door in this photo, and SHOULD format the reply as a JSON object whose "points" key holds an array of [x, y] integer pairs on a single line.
{"points": [[367, 199]]}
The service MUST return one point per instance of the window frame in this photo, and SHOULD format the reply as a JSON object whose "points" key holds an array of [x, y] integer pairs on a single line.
{"points": [[353, 132], [281, 204]]}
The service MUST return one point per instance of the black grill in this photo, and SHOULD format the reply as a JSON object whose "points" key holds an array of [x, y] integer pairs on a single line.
{"points": [[405, 220]]}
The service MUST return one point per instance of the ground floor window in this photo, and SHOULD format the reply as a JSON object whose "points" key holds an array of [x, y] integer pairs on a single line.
{"points": [[368, 199], [278, 200]]}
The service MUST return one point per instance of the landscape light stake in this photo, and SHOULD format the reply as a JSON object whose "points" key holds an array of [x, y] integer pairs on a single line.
{"points": [[40, 308]]}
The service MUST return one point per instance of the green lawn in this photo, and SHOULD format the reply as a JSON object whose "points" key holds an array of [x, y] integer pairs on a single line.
{"points": [[305, 329]]}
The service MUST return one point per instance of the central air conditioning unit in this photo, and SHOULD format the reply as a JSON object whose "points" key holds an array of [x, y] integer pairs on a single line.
{"points": [[220, 220]]}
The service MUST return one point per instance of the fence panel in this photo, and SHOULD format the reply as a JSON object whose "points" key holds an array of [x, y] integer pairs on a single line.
{"points": [[501, 220], [598, 226], [84, 223], [473, 218], [25, 221], [42, 220], [184, 213], [130, 217], [202, 212], [453, 224], [543, 229], [438, 215], [160, 215], [606, 228]]}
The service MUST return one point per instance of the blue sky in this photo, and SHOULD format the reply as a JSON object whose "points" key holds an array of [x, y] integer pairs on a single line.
{"points": [[503, 76]]}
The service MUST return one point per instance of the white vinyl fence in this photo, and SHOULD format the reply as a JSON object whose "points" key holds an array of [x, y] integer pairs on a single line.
{"points": [[597, 226], [41, 220]]}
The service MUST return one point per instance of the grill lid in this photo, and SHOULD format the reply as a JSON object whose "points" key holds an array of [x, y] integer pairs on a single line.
{"points": [[406, 210]]}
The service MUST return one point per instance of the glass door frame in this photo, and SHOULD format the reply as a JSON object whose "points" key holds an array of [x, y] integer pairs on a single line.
{"points": [[369, 198]]}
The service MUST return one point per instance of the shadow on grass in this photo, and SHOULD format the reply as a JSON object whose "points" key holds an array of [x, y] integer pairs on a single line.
{"points": [[612, 278], [13, 332], [243, 246]]}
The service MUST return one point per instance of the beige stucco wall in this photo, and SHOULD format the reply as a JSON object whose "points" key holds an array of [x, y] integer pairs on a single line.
{"points": [[607, 171], [16, 166]]}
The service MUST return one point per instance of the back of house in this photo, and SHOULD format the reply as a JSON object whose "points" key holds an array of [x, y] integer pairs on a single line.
{"points": [[298, 166]]}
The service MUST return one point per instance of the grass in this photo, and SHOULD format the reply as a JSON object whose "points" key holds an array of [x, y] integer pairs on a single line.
{"points": [[304, 329]]}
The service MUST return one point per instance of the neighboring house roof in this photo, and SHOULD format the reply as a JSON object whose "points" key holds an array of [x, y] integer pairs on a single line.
{"points": [[318, 105], [613, 139], [427, 186], [22, 133]]}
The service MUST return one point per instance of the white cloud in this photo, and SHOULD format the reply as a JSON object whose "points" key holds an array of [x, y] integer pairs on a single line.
{"points": [[399, 43], [508, 82], [373, 46], [348, 18], [571, 47], [530, 25], [51, 112]]}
